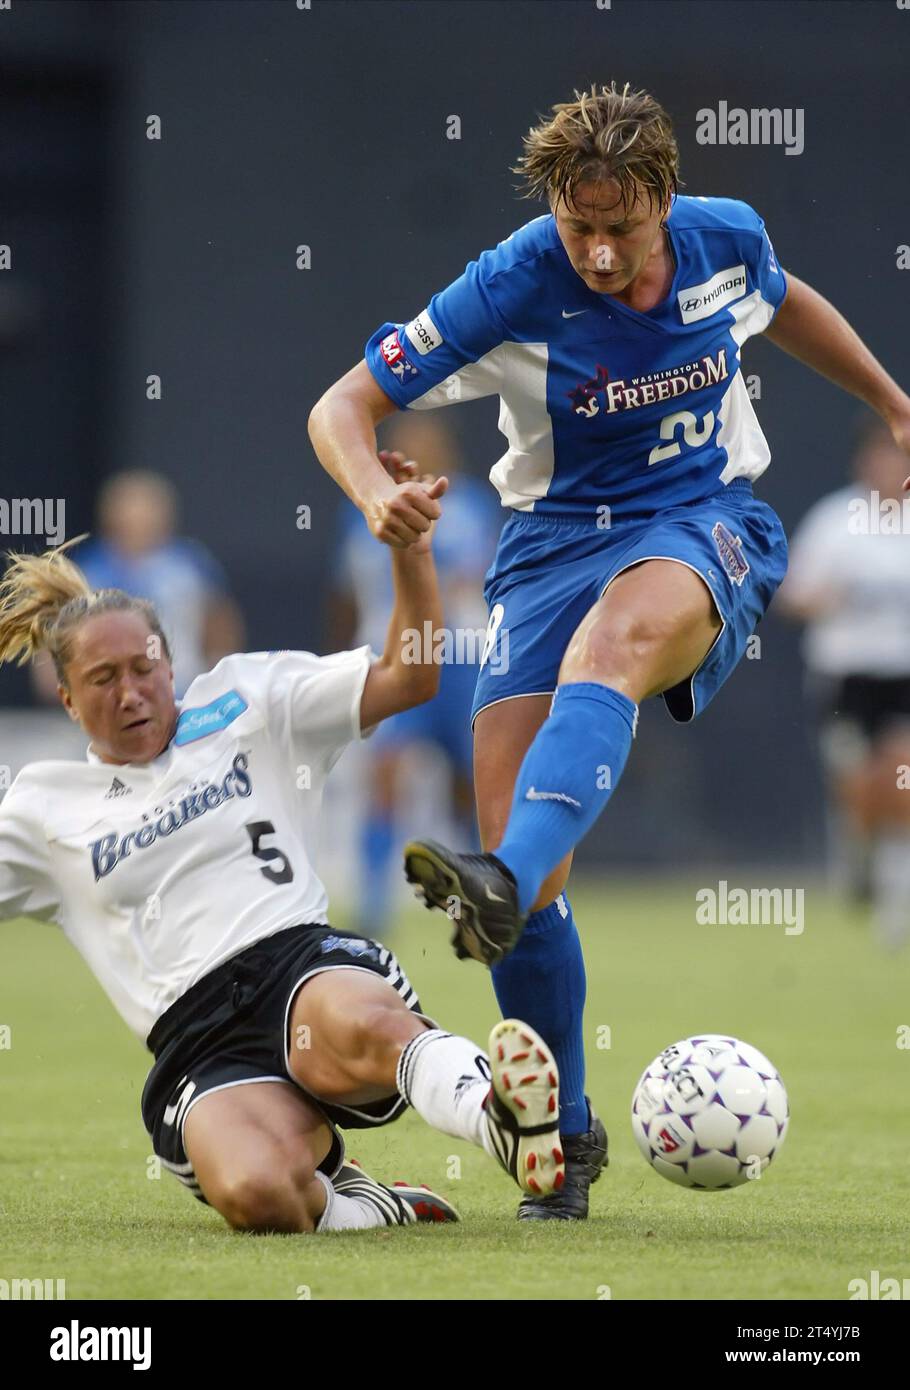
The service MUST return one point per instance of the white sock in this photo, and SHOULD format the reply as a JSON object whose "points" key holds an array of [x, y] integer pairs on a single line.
{"points": [[446, 1079], [346, 1213], [891, 879]]}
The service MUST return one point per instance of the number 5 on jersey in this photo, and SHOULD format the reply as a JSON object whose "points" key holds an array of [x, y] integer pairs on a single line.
{"points": [[256, 830]]}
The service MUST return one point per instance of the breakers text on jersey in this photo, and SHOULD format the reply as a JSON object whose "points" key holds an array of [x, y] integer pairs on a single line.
{"points": [[110, 849]]}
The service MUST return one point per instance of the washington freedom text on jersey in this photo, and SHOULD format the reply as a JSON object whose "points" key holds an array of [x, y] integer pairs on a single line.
{"points": [[637, 391], [110, 849]]}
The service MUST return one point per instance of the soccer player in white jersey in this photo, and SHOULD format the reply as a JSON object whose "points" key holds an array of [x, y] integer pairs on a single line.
{"points": [[849, 581], [178, 860], [635, 560]]}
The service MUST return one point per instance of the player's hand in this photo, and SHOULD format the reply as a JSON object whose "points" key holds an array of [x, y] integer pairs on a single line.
{"points": [[898, 421], [405, 518]]}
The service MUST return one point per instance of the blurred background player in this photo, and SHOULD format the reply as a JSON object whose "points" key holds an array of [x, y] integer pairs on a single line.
{"points": [[137, 549], [849, 582], [395, 757]]}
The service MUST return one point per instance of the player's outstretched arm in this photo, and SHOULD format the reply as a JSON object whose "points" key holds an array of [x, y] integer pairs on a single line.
{"points": [[26, 889], [812, 330], [407, 674], [342, 429]]}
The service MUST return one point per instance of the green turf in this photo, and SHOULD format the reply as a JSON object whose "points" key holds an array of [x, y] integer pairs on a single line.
{"points": [[76, 1202]]}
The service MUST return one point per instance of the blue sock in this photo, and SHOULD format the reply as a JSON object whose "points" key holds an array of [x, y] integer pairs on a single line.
{"points": [[542, 982], [565, 780], [377, 842]]}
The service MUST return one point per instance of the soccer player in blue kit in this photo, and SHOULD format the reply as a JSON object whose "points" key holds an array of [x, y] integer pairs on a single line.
{"points": [[635, 560]]}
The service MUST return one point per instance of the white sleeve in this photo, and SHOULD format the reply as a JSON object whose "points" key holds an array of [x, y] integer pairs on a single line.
{"points": [[814, 548], [314, 701], [26, 886]]}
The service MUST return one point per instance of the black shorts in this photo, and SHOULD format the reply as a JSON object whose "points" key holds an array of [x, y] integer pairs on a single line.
{"points": [[866, 705], [231, 1029]]}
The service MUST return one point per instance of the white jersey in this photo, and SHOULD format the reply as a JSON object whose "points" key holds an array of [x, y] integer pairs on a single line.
{"points": [[844, 550], [158, 872]]}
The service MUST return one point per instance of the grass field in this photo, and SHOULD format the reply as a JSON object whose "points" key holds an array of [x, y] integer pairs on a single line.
{"points": [[76, 1202]]}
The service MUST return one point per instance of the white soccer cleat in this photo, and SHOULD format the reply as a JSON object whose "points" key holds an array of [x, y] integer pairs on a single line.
{"points": [[402, 1204], [522, 1109]]}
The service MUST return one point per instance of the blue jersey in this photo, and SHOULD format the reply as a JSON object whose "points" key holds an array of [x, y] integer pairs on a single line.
{"points": [[602, 406]]}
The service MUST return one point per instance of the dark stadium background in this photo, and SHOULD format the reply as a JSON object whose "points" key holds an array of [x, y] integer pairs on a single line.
{"points": [[327, 127]]}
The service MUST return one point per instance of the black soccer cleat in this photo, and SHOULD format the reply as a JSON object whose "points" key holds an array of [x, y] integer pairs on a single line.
{"points": [[586, 1157], [476, 891]]}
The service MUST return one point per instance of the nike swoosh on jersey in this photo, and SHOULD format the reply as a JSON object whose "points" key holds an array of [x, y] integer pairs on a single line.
{"points": [[574, 314]]}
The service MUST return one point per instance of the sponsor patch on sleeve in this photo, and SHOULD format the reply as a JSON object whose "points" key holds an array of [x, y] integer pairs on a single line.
{"points": [[423, 333], [395, 357]]}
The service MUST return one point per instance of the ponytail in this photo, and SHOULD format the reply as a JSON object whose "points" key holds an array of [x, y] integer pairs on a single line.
{"points": [[43, 599]]}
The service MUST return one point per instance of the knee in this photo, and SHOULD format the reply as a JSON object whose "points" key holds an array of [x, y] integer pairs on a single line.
{"points": [[278, 1198], [616, 646], [379, 1030]]}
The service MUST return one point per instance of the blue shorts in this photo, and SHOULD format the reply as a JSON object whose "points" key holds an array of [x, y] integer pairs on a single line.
{"points": [[549, 571], [444, 721]]}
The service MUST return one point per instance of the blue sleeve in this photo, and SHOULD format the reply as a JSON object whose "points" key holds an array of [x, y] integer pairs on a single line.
{"points": [[445, 354], [765, 274]]}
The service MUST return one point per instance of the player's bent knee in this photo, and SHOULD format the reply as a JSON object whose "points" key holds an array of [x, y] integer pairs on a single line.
{"points": [[274, 1199], [615, 649], [379, 1029]]}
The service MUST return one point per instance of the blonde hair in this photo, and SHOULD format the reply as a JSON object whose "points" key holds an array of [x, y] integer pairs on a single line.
{"points": [[608, 133], [44, 598]]}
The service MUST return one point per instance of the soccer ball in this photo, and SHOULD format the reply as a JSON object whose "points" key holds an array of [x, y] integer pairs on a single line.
{"points": [[710, 1112]]}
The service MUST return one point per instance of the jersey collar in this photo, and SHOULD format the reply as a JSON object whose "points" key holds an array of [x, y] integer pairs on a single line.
{"points": [[607, 299]]}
